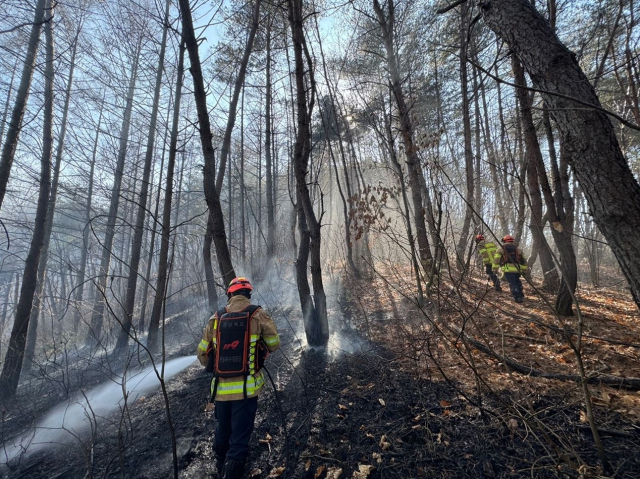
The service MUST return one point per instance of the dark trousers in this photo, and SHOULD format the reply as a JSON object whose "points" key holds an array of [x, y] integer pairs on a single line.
{"points": [[515, 285], [235, 425], [492, 276]]}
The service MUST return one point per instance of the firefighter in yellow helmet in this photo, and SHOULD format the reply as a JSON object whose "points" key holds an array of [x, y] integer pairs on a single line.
{"points": [[236, 341], [487, 251], [513, 263]]}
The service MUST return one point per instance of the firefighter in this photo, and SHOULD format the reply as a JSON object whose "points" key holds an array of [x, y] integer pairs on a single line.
{"points": [[487, 251], [511, 260], [236, 397]]}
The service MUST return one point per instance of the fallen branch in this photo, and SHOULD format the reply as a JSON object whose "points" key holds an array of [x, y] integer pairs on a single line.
{"points": [[632, 384]]}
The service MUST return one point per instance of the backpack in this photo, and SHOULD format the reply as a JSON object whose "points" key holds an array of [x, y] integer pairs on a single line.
{"points": [[511, 255], [233, 355]]}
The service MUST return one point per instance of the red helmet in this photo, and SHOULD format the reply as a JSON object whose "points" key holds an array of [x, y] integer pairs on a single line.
{"points": [[239, 283], [479, 238], [508, 239]]}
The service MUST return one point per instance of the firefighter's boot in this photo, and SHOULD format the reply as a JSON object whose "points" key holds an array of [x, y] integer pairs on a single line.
{"points": [[221, 455], [233, 469]]}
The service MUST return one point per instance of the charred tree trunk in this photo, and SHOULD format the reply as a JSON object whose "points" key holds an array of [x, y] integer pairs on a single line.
{"points": [[22, 95], [166, 214], [15, 354], [314, 310], [601, 169], [211, 192]]}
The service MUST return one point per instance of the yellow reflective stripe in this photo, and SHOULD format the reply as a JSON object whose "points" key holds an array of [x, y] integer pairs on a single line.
{"points": [[512, 268], [272, 340], [254, 337], [203, 345], [238, 386]]}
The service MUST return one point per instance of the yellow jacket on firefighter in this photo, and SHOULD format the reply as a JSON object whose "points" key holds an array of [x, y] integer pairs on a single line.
{"points": [[262, 327], [487, 251], [510, 259]]}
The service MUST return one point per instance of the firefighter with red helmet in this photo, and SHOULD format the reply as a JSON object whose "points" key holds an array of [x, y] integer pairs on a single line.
{"points": [[510, 259], [236, 341], [487, 251]]}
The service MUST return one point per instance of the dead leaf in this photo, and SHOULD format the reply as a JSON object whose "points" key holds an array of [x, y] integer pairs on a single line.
{"points": [[444, 403], [209, 407], [363, 471], [384, 444], [417, 418], [343, 407], [276, 471], [334, 472], [513, 424], [319, 472], [369, 435], [255, 472], [377, 456], [583, 417], [307, 466], [382, 401]]}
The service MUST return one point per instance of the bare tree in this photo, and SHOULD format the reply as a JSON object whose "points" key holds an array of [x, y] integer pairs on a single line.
{"points": [[22, 95], [314, 310], [138, 232], [612, 192], [15, 354]]}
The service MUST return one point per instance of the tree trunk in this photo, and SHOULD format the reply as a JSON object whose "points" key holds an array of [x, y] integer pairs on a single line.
{"points": [[136, 244], [166, 214], [44, 252], [534, 161], [337, 120], [211, 192], [7, 103], [315, 315], [602, 171], [97, 318], [15, 353], [466, 124], [271, 230], [22, 95], [493, 160], [387, 25], [152, 241], [233, 105]]}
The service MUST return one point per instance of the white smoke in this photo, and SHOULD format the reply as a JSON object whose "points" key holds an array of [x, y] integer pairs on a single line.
{"points": [[66, 423]]}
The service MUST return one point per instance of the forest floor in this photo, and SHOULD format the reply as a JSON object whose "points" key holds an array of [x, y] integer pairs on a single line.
{"points": [[395, 396]]}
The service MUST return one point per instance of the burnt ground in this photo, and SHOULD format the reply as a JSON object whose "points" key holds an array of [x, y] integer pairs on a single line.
{"points": [[354, 405]]}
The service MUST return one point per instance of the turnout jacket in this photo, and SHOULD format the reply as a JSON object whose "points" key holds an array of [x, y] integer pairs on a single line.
{"points": [[510, 259], [487, 251], [262, 327]]}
